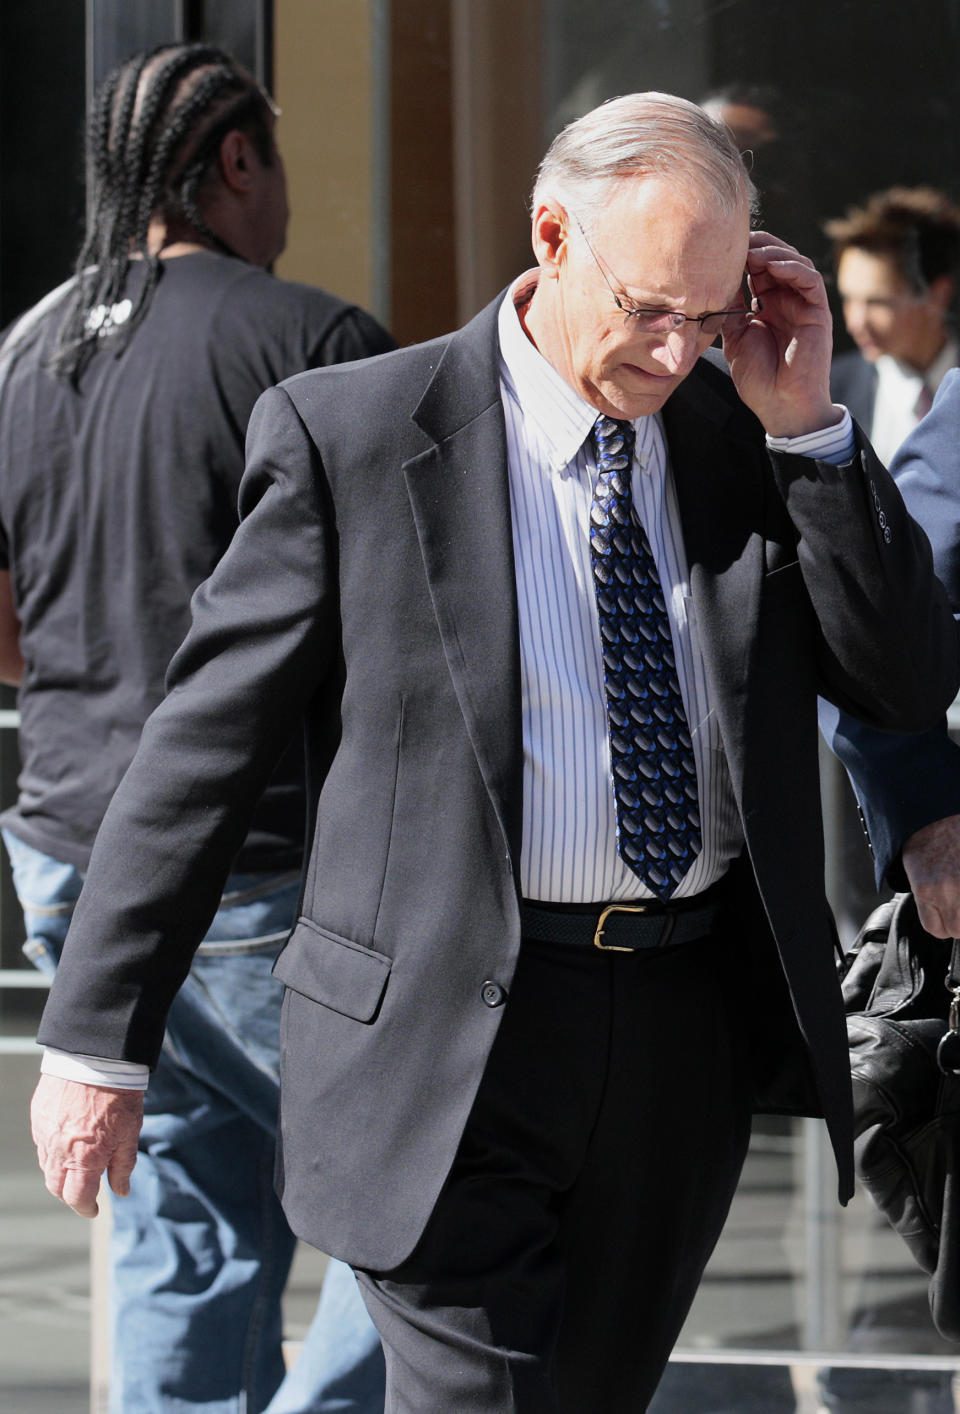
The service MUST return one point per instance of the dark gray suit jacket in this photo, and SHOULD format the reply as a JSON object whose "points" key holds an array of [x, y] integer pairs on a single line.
{"points": [[371, 588]]}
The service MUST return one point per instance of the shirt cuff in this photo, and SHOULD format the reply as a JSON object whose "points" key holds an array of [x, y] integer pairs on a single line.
{"points": [[95, 1070], [831, 444]]}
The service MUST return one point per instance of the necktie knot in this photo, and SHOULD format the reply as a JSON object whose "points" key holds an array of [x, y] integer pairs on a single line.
{"points": [[614, 442]]}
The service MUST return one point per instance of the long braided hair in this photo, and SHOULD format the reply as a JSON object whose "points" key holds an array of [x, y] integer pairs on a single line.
{"points": [[153, 138]]}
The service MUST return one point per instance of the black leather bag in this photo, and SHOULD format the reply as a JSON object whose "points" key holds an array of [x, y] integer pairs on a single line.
{"points": [[902, 999]]}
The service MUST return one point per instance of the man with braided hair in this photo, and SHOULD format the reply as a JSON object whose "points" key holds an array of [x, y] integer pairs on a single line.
{"points": [[124, 399]]}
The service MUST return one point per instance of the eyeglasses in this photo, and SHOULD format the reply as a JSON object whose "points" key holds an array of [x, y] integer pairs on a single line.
{"points": [[662, 321]]}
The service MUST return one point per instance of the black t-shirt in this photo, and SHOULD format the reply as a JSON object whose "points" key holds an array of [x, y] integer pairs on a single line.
{"points": [[116, 501]]}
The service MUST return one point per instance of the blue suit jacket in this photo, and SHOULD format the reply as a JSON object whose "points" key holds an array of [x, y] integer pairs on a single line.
{"points": [[906, 782]]}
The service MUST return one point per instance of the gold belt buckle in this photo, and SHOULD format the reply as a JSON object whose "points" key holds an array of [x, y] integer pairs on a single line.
{"points": [[615, 908]]}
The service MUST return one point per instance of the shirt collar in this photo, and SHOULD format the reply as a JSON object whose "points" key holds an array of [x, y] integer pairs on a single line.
{"points": [[563, 420], [894, 371]]}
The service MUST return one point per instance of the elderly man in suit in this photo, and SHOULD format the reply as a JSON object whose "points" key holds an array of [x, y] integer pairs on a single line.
{"points": [[557, 614]]}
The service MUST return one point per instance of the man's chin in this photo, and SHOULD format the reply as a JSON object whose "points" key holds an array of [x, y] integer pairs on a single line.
{"points": [[625, 404]]}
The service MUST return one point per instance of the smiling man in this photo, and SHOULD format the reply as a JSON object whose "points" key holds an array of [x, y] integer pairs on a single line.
{"points": [[558, 614]]}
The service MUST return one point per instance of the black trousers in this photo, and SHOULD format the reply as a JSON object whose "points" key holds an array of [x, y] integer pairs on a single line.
{"points": [[590, 1187]]}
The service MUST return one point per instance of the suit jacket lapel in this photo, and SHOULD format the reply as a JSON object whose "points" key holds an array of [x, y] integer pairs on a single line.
{"points": [[460, 495]]}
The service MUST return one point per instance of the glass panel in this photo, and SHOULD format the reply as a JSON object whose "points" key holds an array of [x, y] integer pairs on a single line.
{"points": [[121, 27], [41, 108], [239, 27]]}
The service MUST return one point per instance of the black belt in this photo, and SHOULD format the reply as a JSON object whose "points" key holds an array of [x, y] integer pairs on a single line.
{"points": [[622, 927]]}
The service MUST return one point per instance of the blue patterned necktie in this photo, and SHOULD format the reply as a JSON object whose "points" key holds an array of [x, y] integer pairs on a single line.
{"points": [[651, 755]]}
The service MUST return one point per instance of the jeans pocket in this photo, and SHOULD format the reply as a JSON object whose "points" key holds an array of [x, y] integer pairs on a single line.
{"points": [[47, 890]]}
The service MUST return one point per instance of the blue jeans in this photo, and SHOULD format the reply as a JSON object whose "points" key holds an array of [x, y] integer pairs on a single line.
{"points": [[200, 1250]]}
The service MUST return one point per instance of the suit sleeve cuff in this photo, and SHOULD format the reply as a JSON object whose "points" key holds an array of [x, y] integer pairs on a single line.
{"points": [[95, 1070], [831, 444]]}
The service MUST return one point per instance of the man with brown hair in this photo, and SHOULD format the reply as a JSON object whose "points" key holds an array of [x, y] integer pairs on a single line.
{"points": [[896, 259]]}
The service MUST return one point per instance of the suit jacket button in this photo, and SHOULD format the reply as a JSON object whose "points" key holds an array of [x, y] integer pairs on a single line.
{"points": [[493, 994]]}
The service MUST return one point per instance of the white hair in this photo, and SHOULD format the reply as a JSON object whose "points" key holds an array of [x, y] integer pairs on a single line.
{"points": [[642, 135]]}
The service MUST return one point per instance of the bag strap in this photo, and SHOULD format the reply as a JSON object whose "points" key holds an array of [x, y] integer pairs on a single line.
{"points": [[952, 984], [948, 1051]]}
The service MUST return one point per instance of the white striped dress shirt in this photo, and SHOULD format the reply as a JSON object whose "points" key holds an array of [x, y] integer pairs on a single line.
{"points": [[569, 851]]}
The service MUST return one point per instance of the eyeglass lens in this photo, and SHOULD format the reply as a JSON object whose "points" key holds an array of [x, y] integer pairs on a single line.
{"points": [[657, 321]]}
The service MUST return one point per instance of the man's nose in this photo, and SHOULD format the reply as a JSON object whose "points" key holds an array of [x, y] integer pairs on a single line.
{"points": [[680, 348]]}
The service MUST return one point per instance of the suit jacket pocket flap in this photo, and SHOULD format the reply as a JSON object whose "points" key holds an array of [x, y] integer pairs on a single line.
{"points": [[333, 971]]}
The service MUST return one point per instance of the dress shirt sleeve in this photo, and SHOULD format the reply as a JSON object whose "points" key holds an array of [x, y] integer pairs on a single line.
{"points": [[95, 1070], [831, 444]]}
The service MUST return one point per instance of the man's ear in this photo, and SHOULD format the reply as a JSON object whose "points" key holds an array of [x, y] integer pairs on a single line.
{"points": [[942, 290], [550, 236], [235, 165]]}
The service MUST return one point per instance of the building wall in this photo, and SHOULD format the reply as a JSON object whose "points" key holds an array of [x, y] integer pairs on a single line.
{"points": [[328, 73]]}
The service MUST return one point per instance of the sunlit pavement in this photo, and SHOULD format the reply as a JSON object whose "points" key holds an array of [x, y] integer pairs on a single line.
{"points": [[749, 1297]]}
